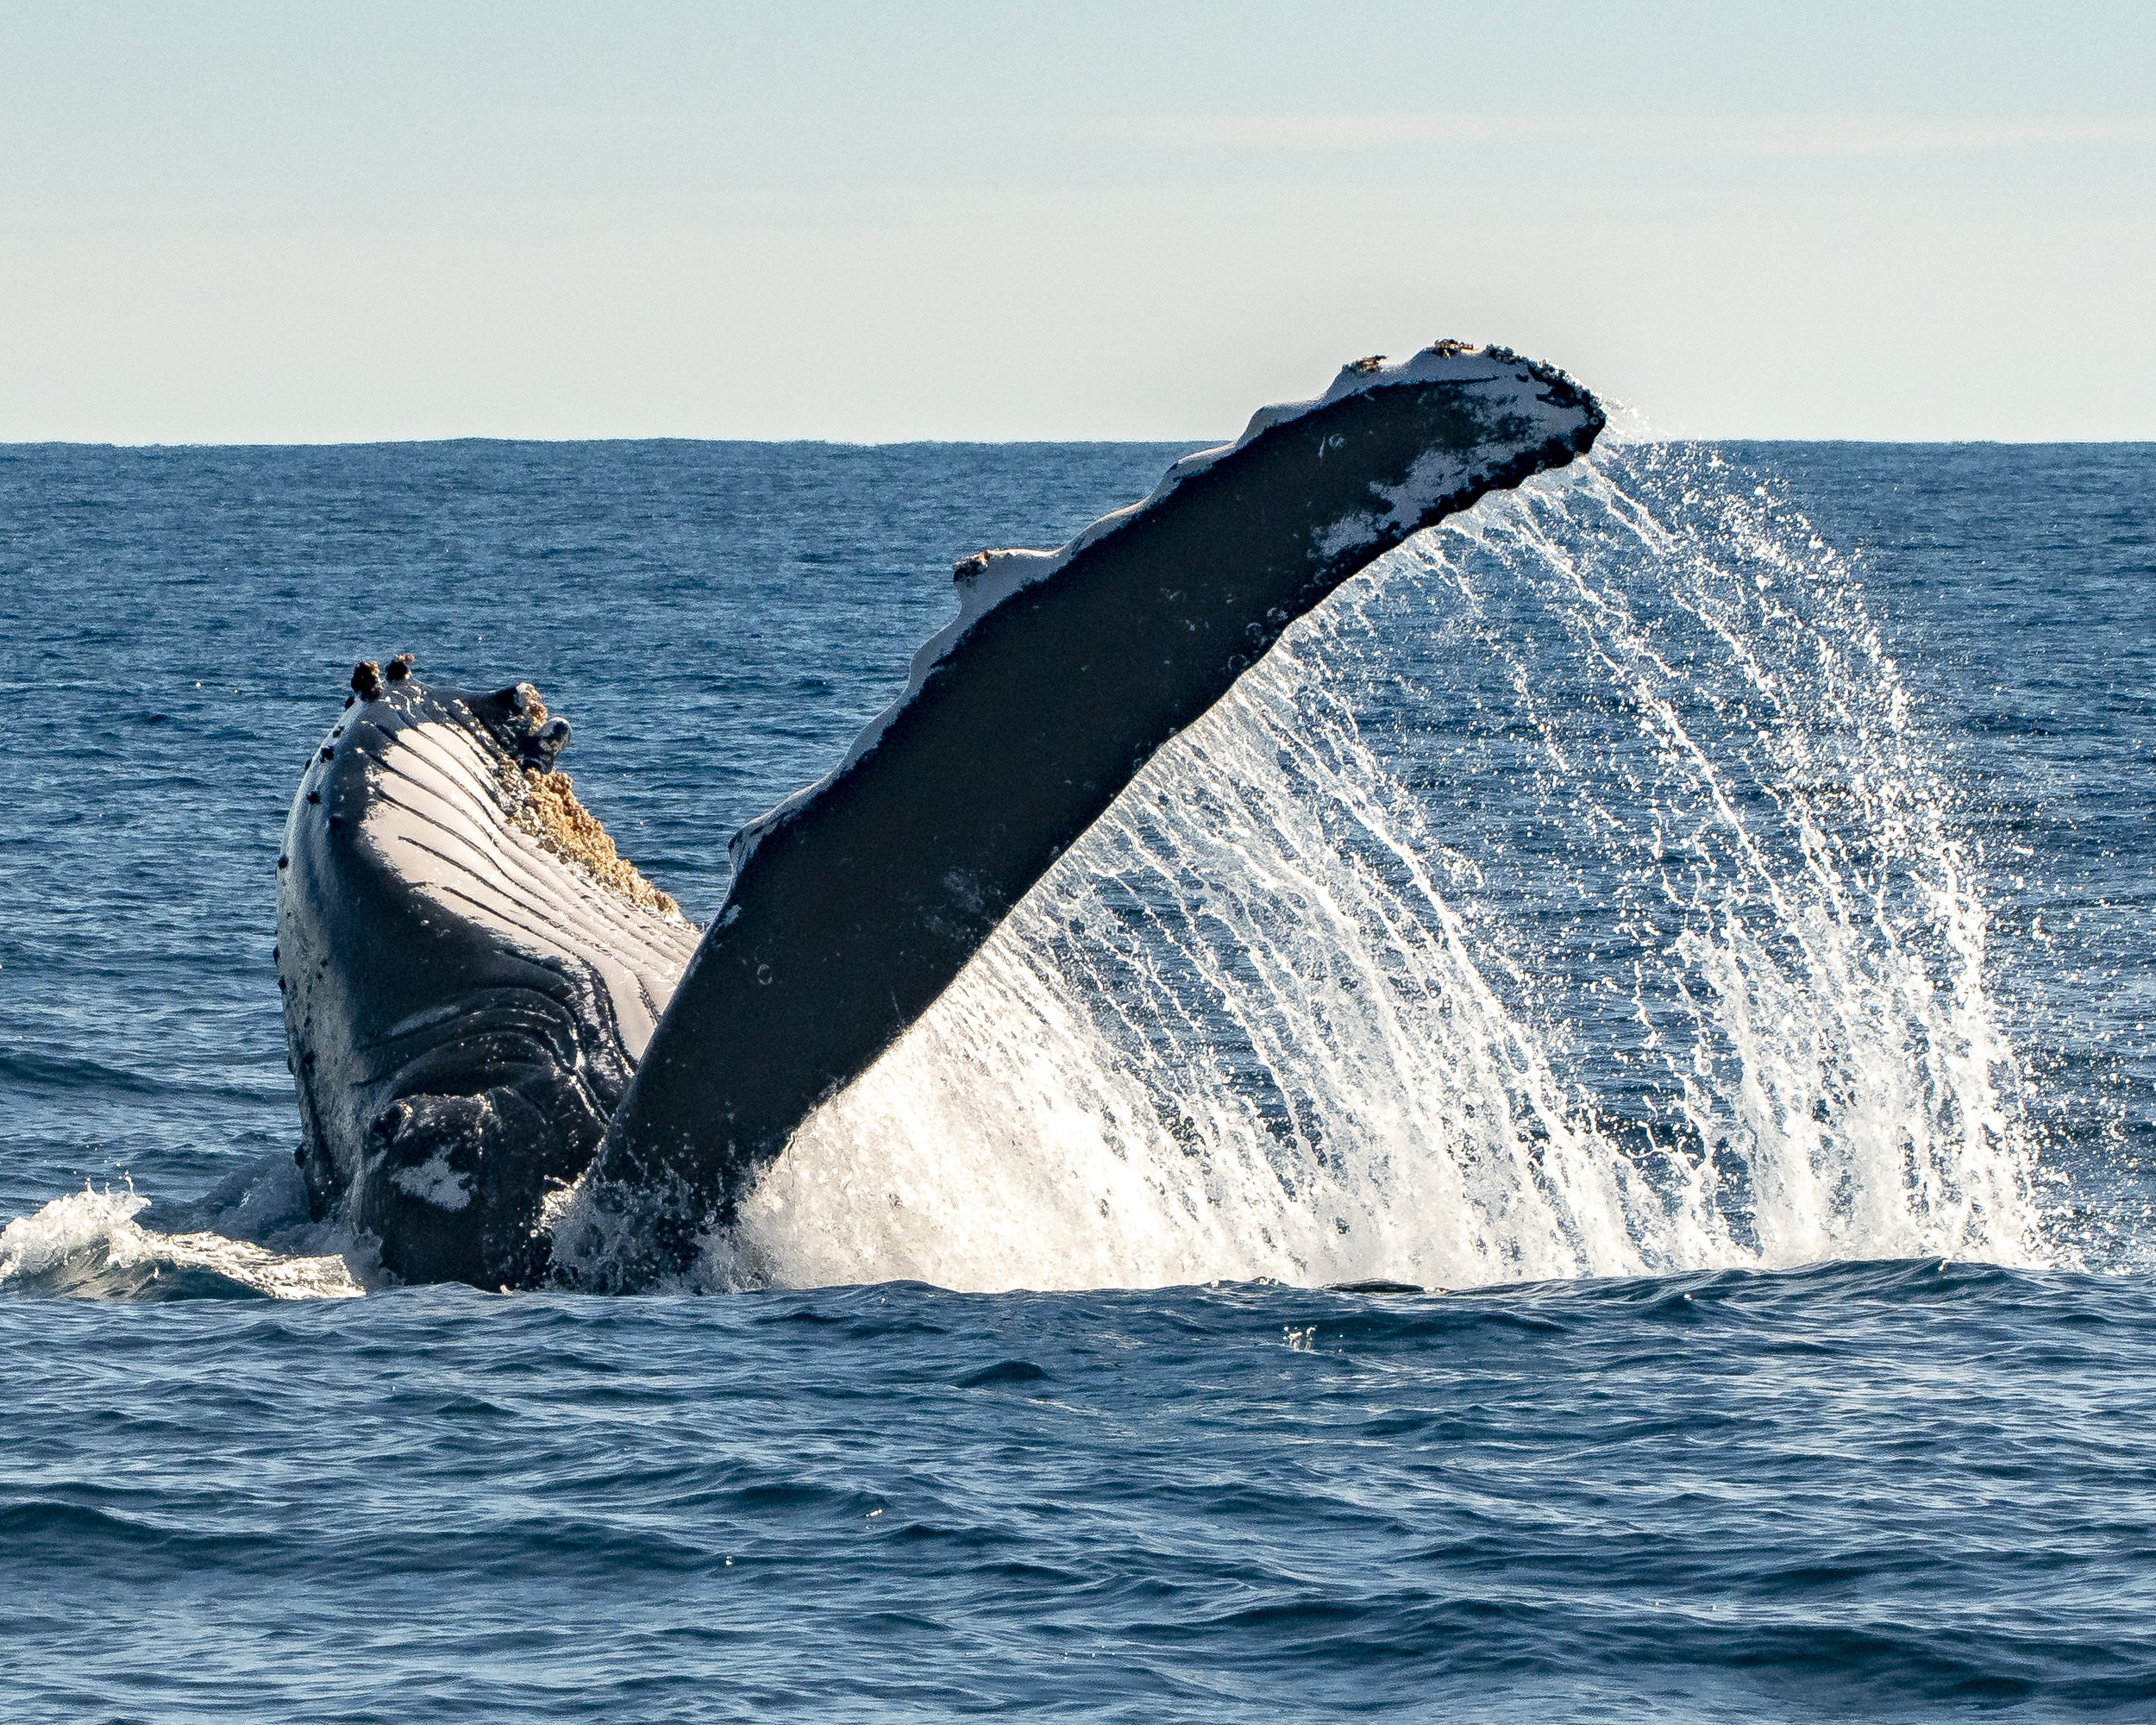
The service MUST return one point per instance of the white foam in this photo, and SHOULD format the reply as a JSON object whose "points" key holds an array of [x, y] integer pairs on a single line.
{"points": [[32, 1244], [90, 1235]]}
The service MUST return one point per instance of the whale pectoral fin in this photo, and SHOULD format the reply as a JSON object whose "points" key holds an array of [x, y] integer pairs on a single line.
{"points": [[454, 1184], [856, 902]]}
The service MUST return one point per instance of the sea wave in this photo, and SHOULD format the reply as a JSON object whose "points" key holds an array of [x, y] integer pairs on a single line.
{"points": [[88, 1246]]}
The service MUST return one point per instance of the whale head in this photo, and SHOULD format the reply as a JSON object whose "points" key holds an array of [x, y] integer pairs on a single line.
{"points": [[470, 972]]}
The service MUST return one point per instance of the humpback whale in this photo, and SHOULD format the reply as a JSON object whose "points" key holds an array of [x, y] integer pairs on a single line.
{"points": [[518, 1062]]}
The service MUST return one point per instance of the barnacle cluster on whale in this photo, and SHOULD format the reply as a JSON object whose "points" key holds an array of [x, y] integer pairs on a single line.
{"points": [[516, 1061]]}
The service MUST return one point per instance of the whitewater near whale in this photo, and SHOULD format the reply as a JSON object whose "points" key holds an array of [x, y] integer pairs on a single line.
{"points": [[518, 1060]]}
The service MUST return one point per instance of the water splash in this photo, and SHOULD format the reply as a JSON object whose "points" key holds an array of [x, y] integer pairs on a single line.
{"points": [[88, 1246], [1571, 895]]}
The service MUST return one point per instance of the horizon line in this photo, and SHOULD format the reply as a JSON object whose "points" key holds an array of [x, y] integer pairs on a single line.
{"points": [[1628, 440]]}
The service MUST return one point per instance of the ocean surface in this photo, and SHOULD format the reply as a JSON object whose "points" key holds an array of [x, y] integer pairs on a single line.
{"points": [[1580, 1150]]}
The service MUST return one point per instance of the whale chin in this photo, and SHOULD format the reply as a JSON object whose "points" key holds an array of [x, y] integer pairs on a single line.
{"points": [[516, 1059]]}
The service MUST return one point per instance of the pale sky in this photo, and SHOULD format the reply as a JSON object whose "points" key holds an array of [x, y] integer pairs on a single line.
{"points": [[319, 222]]}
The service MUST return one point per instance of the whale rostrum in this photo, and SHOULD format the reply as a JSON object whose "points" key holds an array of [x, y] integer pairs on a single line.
{"points": [[518, 1062]]}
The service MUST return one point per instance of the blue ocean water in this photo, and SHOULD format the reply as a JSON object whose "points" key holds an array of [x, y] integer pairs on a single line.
{"points": [[1580, 1150]]}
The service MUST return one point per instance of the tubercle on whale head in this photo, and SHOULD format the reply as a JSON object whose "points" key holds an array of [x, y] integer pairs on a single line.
{"points": [[518, 720], [371, 682]]}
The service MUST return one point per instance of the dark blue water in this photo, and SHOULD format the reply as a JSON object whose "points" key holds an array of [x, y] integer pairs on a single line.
{"points": [[1749, 850]]}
